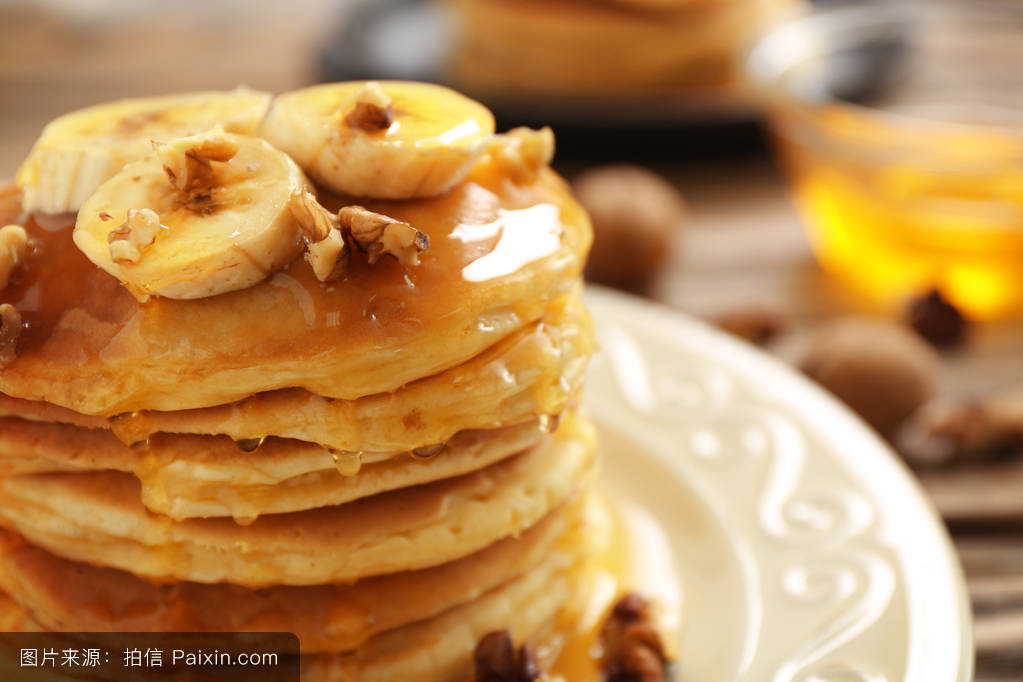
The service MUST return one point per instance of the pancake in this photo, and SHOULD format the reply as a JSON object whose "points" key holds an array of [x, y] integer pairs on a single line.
{"points": [[437, 649], [185, 476], [38, 411], [501, 252], [441, 649], [97, 517], [13, 618], [386, 459], [535, 371], [531, 47], [64, 595]]}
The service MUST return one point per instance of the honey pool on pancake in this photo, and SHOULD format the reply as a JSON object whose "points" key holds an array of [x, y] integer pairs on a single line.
{"points": [[481, 231]]}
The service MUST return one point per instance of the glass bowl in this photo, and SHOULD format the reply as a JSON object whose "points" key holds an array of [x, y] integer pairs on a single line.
{"points": [[900, 125]]}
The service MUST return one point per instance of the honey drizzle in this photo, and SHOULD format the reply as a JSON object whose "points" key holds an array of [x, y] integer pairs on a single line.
{"points": [[347, 463], [573, 650], [79, 318]]}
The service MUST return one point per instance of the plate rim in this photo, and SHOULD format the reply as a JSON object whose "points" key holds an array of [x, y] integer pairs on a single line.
{"points": [[917, 516]]}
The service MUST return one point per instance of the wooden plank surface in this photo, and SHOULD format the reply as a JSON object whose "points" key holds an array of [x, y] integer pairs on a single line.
{"points": [[743, 247]]}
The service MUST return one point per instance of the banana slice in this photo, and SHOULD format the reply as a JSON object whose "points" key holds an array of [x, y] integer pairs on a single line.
{"points": [[387, 140], [204, 215], [77, 152]]}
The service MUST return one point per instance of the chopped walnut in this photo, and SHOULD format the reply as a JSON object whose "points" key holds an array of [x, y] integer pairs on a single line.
{"points": [[10, 330], [123, 251], [372, 111], [329, 257], [986, 428], [316, 221], [328, 254], [754, 325], [188, 160], [13, 245], [523, 152], [937, 320], [496, 660], [379, 235], [633, 650], [136, 233]]}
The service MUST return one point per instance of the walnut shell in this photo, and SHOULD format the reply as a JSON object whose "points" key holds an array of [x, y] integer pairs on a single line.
{"points": [[636, 218], [883, 371]]}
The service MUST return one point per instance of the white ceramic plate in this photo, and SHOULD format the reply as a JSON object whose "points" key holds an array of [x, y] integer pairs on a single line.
{"points": [[805, 551]]}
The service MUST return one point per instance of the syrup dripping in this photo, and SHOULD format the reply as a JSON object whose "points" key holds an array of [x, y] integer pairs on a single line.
{"points": [[249, 444], [346, 462], [426, 452], [549, 422]]}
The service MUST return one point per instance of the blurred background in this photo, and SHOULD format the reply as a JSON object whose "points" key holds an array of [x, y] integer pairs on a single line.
{"points": [[840, 183]]}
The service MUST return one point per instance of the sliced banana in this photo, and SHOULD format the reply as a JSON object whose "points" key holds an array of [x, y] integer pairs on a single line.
{"points": [[77, 152], [388, 139], [204, 215]]}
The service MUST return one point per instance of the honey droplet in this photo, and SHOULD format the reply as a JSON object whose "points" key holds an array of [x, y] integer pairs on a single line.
{"points": [[549, 422], [347, 463], [245, 519], [140, 447], [249, 444], [426, 452], [131, 427]]}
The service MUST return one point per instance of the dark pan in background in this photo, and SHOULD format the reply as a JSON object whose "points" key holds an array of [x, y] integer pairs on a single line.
{"points": [[412, 39]]}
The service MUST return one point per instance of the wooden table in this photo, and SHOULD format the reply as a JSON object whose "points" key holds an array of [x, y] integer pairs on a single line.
{"points": [[743, 247]]}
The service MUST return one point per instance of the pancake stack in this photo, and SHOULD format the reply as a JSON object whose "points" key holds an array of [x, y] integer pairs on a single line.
{"points": [[604, 47], [331, 388]]}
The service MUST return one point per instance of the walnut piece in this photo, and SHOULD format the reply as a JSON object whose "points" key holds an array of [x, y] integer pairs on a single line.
{"points": [[372, 111], [633, 650], [327, 236], [937, 320], [882, 370], [329, 257], [316, 221], [496, 660], [379, 235], [946, 432], [13, 245], [131, 237], [522, 152], [327, 252], [637, 217], [10, 330], [188, 160], [757, 326]]}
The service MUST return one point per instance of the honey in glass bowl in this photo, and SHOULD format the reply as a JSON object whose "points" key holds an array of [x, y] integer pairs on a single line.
{"points": [[901, 127]]}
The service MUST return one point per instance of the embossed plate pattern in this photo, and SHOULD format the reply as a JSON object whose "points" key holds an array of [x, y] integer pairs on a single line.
{"points": [[804, 549]]}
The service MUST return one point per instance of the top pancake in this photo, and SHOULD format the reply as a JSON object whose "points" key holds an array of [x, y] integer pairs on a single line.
{"points": [[500, 252]]}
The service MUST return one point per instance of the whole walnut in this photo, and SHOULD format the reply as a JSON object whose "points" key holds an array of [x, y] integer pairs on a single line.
{"points": [[883, 371], [633, 650], [636, 217]]}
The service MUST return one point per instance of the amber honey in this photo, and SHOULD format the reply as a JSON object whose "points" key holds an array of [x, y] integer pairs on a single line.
{"points": [[626, 554], [897, 226], [901, 125]]}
